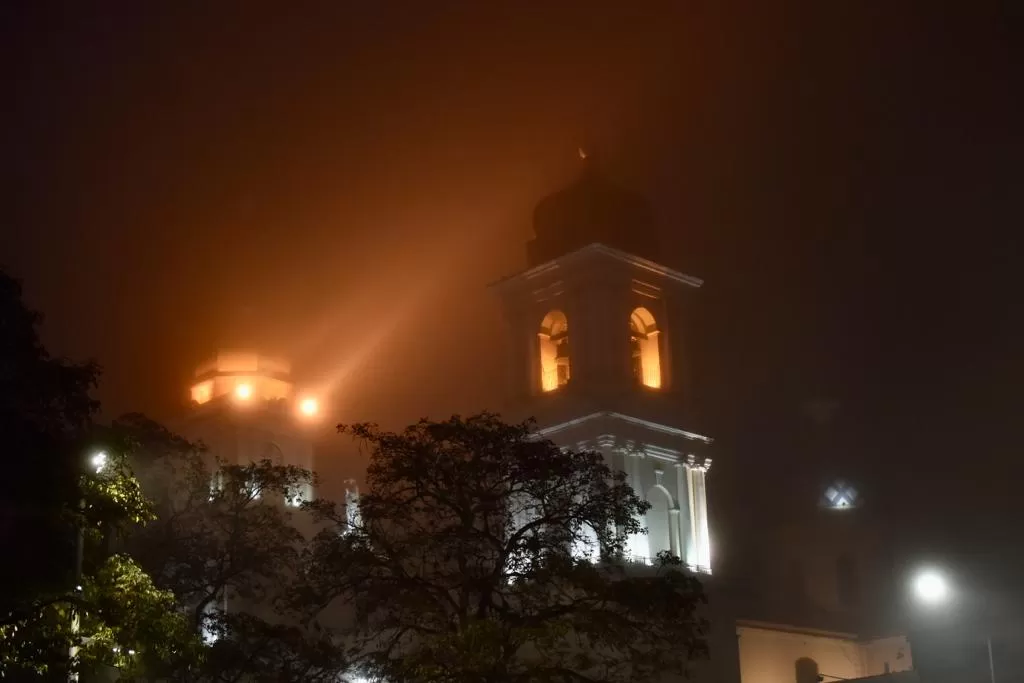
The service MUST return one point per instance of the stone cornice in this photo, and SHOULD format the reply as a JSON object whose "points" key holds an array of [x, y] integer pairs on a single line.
{"points": [[692, 463], [597, 248], [795, 630], [608, 414]]}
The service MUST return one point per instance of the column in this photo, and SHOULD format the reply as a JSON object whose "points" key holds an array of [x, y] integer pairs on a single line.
{"points": [[703, 534], [684, 535], [636, 545], [635, 479], [673, 531], [692, 553]]}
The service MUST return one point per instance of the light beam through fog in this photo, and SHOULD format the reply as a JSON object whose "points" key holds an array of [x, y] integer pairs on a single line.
{"points": [[394, 311]]}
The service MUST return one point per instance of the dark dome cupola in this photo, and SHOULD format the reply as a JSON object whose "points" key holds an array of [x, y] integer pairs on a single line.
{"points": [[592, 209]]}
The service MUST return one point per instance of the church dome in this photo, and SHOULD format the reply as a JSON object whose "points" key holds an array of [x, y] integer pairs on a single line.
{"points": [[592, 209]]}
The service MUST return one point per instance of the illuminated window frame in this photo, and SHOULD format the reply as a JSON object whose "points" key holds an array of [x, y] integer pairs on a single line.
{"points": [[644, 338], [554, 351]]}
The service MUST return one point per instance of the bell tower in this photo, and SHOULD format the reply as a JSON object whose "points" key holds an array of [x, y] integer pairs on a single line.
{"points": [[598, 332], [245, 408]]}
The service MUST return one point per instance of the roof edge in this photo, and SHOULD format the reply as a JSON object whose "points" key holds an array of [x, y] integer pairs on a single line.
{"points": [[605, 250], [654, 426]]}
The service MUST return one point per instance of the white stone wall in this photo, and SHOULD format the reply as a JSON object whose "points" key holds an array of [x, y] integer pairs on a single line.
{"points": [[771, 655], [677, 520]]}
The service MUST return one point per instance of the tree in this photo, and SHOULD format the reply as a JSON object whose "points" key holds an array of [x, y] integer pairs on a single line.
{"points": [[112, 616], [227, 544], [69, 605], [46, 414], [469, 561], [258, 650]]}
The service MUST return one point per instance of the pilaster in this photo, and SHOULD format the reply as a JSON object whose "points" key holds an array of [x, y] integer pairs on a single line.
{"points": [[691, 498], [697, 471], [673, 521], [684, 501]]}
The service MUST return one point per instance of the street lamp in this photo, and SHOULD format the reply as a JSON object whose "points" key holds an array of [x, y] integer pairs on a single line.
{"points": [[99, 461], [309, 407], [932, 589]]}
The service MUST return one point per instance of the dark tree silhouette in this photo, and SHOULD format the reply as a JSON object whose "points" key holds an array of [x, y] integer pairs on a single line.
{"points": [[71, 604], [227, 545], [465, 563], [46, 413]]}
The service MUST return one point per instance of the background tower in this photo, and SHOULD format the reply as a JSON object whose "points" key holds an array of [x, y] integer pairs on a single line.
{"points": [[598, 346], [245, 409]]}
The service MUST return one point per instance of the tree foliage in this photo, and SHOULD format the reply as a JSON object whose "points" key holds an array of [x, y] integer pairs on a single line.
{"points": [[125, 572], [124, 623], [257, 650], [69, 603], [113, 616], [227, 542], [470, 562], [46, 413]]}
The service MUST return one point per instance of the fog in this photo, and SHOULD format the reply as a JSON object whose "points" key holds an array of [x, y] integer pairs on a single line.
{"points": [[339, 184]]}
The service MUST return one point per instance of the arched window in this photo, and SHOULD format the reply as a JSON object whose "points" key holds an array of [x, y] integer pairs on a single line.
{"points": [[659, 528], [554, 351], [646, 358], [806, 670]]}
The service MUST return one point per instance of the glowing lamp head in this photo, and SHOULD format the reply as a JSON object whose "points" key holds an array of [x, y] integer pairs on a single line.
{"points": [[243, 392], [99, 461], [309, 407], [931, 587]]}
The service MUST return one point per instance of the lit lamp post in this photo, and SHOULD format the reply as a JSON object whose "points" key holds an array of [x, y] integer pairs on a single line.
{"points": [[309, 407], [98, 461], [931, 588]]}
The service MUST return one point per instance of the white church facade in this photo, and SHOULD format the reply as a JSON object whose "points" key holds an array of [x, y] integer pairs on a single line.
{"points": [[592, 357]]}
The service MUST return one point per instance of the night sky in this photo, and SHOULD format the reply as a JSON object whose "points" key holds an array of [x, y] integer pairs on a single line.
{"points": [[339, 183]]}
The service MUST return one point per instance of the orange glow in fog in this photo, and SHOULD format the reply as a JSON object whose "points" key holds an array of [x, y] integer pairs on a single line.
{"points": [[309, 407]]}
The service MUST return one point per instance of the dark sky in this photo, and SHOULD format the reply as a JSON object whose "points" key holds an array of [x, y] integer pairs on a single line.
{"points": [[338, 183]]}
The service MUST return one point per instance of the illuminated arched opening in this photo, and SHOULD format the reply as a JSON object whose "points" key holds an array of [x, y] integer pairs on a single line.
{"points": [[554, 351], [646, 358], [659, 527]]}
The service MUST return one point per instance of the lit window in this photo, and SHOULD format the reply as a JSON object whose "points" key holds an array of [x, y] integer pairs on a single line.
{"points": [[216, 484], [554, 351], [202, 392], [646, 355], [840, 496]]}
